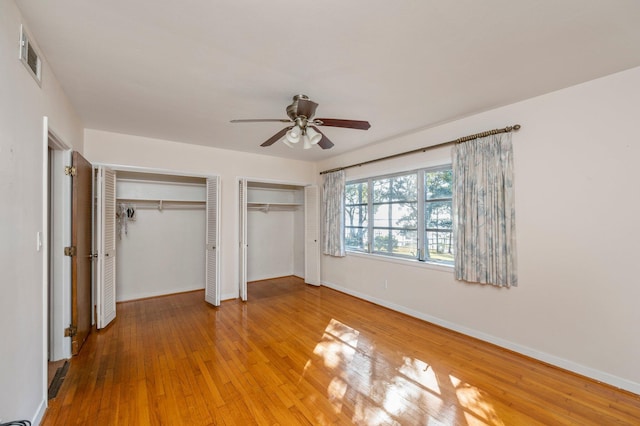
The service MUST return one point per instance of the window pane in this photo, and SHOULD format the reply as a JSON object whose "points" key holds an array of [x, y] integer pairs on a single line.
{"points": [[356, 193], [356, 238], [398, 242], [438, 215], [396, 188], [440, 246], [355, 215], [438, 184], [396, 215]]}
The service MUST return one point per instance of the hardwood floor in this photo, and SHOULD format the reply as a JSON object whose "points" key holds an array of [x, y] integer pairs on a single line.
{"points": [[296, 354]]}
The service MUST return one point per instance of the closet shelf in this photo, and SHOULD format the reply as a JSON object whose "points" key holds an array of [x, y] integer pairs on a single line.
{"points": [[149, 200], [161, 204], [265, 207]]}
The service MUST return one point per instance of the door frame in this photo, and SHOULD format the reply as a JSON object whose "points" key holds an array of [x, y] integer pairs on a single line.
{"points": [[151, 170], [56, 266], [238, 249]]}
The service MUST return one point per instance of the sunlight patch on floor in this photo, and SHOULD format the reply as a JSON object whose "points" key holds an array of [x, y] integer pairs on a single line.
{"points": [[380, 393], [421, 373], [477, 410], [338, 344]]}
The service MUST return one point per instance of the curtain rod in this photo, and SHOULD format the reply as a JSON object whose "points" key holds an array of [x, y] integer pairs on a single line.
{"points": [[427, 148]]}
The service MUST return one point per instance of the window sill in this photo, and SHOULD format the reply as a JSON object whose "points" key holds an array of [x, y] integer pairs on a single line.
{"points": [[403, 261]]}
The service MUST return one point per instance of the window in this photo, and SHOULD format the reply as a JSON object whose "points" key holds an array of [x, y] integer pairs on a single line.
{"points": [[438, 216], [411, 215], [356, 234], [395, 215]]}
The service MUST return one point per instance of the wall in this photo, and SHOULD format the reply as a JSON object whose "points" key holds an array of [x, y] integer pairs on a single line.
{"points": [[162, 251], [576, 176], [274, 234], [118, 149], [270, 237], [23, 309]]}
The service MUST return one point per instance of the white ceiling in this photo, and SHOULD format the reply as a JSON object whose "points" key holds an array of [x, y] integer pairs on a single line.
{"points": [[180, 70]]}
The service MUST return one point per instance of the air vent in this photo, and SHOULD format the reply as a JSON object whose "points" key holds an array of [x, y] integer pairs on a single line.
{"points": [[29, 57]]}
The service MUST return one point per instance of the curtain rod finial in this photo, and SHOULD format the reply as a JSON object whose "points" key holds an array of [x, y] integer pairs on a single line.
{"points": [[516, 127]]}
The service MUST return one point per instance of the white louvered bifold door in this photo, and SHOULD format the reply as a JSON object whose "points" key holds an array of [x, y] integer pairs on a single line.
{"points": [[311, 235], [106, 229], [242, 239], [212, 287]]}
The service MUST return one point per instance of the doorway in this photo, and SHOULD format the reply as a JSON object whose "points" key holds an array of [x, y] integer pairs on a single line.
{"points": [[274, 231], [165, 234]]}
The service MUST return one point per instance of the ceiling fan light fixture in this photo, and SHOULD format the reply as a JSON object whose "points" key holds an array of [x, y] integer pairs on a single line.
{"points": [[314, 137], [294, 134], [286, 142], [307, 142]]}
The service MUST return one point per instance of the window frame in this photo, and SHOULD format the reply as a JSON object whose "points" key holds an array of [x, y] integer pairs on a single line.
{"points": [[421, 202]]}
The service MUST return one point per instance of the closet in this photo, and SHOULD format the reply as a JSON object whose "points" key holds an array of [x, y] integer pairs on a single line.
{"points": [[165, 233], [273, 231]]}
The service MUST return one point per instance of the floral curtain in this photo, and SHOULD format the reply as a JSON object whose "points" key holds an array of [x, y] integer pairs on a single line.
{"points": [[484, 214], [333, 213]]}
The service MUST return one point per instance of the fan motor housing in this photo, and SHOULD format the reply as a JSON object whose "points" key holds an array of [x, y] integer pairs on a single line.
{"points": [[292, 110]]}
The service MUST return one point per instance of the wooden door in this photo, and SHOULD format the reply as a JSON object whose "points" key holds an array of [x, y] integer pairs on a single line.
{"points": [[106, 247], [212, 287], [311, 236], [80, 251]]}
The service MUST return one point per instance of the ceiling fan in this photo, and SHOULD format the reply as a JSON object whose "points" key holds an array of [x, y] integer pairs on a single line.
{"points": [[303, 125]]}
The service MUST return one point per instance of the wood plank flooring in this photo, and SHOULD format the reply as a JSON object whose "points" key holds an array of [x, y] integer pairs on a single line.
{"points": [[302, 355]]}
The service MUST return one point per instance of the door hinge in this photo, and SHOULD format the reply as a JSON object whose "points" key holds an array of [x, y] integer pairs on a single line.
{"points": [[70, 251], [70, 331], [70, 171]]}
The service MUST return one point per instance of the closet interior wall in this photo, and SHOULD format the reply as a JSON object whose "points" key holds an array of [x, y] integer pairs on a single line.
{"points": [[275, 231], [160, 245]]}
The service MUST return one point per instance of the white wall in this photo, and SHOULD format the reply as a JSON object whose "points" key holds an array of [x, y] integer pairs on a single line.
{"points": [[276, 234], [577, 207], [23, 310], [271, 243], [163, 252], [112, 148]]}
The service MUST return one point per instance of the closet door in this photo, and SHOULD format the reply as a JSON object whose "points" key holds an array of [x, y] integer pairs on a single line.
{"points": [[106, 247], [311, 236], [242, 238], [212, 287]]}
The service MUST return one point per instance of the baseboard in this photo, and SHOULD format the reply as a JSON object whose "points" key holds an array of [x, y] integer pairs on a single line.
{"points": [[148, 294], [39, 415], [562, 363], [229, 296]]}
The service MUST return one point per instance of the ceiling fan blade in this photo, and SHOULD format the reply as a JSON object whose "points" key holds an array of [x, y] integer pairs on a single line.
{"points": [[273, 139], [306, 107], [324, 143], [350, 124], [262, 120]]}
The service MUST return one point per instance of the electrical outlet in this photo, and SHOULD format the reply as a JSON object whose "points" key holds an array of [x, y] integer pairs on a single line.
{"points": [[386, 284]]}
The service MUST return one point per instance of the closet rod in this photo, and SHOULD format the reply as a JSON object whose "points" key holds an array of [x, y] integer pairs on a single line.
{"points": [[507, 129], [162, 204]]}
